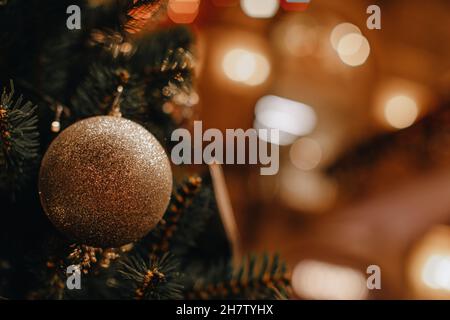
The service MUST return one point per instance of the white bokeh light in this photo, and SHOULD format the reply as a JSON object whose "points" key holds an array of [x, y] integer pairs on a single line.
{"points": [[436, 272], [292, 118], [340, 31], [324, 281], [245, 66], [401, 111], [353, 49], [260, 8]]}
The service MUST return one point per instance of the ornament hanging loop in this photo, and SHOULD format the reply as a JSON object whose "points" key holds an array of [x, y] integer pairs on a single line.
{"points": [[115, 108]]}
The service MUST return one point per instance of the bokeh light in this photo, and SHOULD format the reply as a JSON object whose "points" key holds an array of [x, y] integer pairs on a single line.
{"points": [[290, 117], [241, 65], [353, 49], [307, 191], [260, 8], [300, 40], [429, 265], [436, 272], [340, 31], [183, 11], [401, 111], [319, 280], [306, 154]]}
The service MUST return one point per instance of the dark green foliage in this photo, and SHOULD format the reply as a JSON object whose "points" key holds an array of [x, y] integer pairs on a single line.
{"points": [[94, 95], [188, 214], [256, 278], [19, 139], [150, 278]]}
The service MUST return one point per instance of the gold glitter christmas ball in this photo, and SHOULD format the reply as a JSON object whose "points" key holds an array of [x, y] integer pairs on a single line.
{"points": [[105, 181]]}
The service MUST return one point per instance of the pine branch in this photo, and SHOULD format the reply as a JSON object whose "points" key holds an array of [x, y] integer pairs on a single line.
{"points": [[256, 278], [156, 278], [179, 227], [19, 138], [166, 62], [93, 260], [96, 94]]}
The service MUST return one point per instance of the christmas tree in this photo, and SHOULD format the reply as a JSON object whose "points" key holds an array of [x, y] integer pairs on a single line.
{"points": [[124, 60]]}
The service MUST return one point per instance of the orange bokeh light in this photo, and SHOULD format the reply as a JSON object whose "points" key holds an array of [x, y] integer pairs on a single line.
{"points": [[183, 11]]}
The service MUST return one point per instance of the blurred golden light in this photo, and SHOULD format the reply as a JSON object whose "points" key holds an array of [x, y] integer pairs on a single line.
{"points": [[429, 267], [183, 11], [340, 31], [300, 40], [353, 49], [260, 8], [307, 191], [436, 272], [245, 66], [292, 118], [324, 281], [401, 111], [306, 154]]}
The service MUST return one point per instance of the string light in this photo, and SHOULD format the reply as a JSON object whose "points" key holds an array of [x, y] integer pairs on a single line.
{"points": [[250, 68], [260, 9], [401, 111], [319, 280]]}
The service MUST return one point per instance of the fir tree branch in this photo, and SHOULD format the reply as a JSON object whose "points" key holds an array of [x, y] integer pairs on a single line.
{"points": [[166, 62], [156, 278], [257, 278], [19, 138], [96, 94], [93, 260], [178, 229]]}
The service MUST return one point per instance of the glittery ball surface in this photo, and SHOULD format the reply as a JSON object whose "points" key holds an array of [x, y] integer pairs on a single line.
{"points": [[105, 181]]}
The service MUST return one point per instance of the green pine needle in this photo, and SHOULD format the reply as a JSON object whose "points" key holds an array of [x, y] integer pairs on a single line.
{"points": [[19, 137], [258, 277], [156, 278]]}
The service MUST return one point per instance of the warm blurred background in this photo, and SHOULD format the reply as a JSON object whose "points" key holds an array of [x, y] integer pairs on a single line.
{"points": [[365, 176]]}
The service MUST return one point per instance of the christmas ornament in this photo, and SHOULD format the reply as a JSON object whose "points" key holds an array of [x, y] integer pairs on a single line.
{"points": [[105, 181]]}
